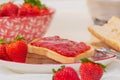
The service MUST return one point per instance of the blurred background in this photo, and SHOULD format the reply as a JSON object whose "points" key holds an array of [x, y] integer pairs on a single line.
{"points": [[70, 20]]}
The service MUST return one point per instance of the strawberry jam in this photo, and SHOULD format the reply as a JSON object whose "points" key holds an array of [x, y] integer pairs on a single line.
{"points": [[64, 47]]}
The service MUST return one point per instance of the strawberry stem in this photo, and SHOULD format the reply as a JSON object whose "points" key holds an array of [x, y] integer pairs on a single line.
{"points": [[103, 66], [2, 41], [62, 67], [35, 2], [83, 60], [54, 71], [18, 37]]}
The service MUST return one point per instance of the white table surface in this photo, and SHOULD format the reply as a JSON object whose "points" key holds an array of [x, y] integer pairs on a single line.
{"points": [[70, 21]]}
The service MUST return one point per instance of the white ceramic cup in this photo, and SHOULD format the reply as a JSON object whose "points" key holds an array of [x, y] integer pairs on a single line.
{"points": [[103, 10]]}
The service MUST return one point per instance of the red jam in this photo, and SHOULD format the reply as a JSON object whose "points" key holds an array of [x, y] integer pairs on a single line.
{"points": [[64, 47]]}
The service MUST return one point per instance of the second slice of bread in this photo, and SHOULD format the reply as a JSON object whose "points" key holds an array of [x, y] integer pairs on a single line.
{"points": [[108, 33]]}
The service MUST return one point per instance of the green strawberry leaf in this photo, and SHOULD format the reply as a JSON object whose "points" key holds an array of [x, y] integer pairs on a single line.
{"points": [[88, 60], [43, 6], [18, 37], [83, 60], [103, 66], [62, 67], [35, 2], [54, 71], [30, 1], [2, 41]]}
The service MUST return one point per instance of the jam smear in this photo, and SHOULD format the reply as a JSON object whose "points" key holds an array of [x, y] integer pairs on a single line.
{"points": [[62, 46]]}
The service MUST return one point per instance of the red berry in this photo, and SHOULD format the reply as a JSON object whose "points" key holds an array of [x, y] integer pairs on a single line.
{"points": [[25, 10], [3, 54], [66, 73], [36, 10], [9, 9], [17, 50], [44, 11], [28, 10], [2, 50], [90, 70]]}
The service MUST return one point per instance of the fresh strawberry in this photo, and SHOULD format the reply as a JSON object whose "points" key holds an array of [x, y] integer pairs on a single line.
{"points": [[3, 54], [9, 9], [17, 50], [28, 10], [36, 10], [44, 11], [25, 10], [90, 70], [2, 48], [65, 73]]}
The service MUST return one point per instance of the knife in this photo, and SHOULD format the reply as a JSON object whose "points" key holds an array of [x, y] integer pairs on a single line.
{"points": [[109, 51]]}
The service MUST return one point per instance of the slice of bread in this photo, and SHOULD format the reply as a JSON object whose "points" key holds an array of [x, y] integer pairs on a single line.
{"points": [[108, 33], [52, 55], [97, 43], [57, 57]]}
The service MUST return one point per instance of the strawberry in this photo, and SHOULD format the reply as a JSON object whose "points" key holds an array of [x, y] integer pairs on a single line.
{"points": [[17, 50], [36, 10], [3, 54], [28, 10], [65, 73], [44, 11], [90, 70], [33, 8], [25, 10], [9, 9]]}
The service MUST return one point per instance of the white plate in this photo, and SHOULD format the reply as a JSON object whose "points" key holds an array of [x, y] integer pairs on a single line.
{"points": [[43, 68], [107, 76], [48, 77], [33, 68]]}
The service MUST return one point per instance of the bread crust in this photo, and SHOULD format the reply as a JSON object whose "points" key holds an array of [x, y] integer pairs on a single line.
{"points": [[57, 57]]}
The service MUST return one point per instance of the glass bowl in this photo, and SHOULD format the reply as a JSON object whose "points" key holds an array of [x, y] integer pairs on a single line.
{"points": [[29, 27]]}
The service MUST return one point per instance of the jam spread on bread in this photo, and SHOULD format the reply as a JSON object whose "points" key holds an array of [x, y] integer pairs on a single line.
{"points": [[62, 46]]}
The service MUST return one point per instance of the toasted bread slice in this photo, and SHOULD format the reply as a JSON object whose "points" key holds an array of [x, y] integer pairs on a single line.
{"points": [[57, 57], [73, 49], [108, 33]]}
